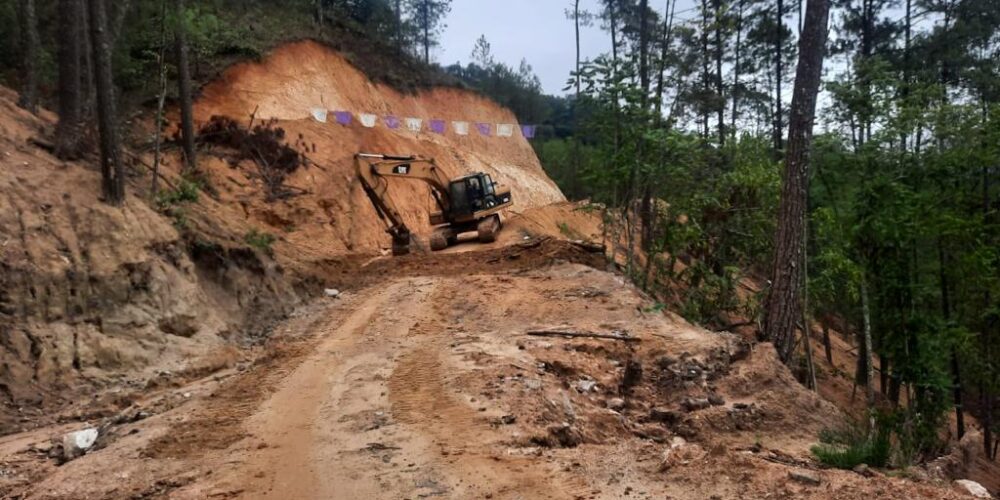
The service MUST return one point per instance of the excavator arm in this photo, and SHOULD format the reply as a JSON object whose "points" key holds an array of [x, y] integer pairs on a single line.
{"points": [[373, 169]]}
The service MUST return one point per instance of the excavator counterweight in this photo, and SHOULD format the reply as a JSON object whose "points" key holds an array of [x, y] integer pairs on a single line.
{"points": [[467, 203]]}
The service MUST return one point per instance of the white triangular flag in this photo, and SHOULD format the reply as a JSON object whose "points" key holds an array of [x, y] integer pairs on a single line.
{"points": [[367, 119], [414, 124], [319, 114], [461, 128], [505, 130]]}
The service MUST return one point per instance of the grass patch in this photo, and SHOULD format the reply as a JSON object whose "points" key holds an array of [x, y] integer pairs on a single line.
{"points": [[852, 446]]}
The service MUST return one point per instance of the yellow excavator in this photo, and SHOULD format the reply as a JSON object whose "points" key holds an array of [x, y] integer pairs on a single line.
{"points": [[468, 203]]}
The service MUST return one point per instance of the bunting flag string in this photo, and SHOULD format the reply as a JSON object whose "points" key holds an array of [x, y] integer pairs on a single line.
{"points": [[343, 117], [367, 119], [437, 126]]}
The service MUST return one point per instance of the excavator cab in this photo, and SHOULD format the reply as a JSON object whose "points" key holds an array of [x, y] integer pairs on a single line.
{"points": [[474, 193], [468, 203]]}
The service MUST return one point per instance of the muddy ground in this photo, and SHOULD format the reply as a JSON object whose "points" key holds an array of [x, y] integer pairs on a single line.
{"points": [[425, 383]]}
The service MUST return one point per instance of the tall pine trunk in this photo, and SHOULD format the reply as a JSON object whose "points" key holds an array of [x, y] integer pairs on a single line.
{"points": [[67, 140], [30, 46], [427, 32], [784, 304], [720, 103], [779, 127], [736, 66], [112, 169], [576, 103], [184, 89]]}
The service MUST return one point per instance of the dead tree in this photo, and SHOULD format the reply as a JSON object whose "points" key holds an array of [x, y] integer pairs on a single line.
{"points": [[784, 303], [112, 169]]}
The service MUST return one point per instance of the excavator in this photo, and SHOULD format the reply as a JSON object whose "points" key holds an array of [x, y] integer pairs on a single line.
{"points": [[468, 203]]}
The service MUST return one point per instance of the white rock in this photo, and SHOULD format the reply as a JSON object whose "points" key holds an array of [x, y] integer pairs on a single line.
{"points": [[585, 385], [973, 488], [331, 292], [77, 443]]}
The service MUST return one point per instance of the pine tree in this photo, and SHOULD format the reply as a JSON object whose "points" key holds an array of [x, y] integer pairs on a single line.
{"points": [[112, 169], [784, 302], [68, 134], [184, 88], [30, 51]]}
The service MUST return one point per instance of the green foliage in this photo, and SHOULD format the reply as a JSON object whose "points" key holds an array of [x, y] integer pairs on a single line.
{"points": [[259, 240], [853, 445], [185, 192]]}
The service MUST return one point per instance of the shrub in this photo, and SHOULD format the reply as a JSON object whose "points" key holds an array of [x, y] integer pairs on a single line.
{"points": [[261, 241], [185, 192]]}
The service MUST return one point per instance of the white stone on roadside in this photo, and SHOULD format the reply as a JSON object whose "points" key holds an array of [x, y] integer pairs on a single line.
{"points": [[77, 443], [585, 385], [973, 488], [331, 292]]}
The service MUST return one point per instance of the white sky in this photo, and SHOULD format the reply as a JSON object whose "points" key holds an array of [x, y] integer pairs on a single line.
{"points": [[536, 30]]}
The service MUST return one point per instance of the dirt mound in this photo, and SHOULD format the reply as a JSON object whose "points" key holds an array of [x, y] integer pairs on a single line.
{"points": [[332, 215]]}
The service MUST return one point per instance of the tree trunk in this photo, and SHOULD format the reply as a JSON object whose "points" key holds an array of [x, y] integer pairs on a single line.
{"points": [[778, 113], [736, 66], [67, 140], [112, 169], [30, 46], [956, 375], [827, 346], [154, 186], [427, 32], [785, 296], [399, 25], [867, 329], [720, 102], [576, 104], [705, 83], [87, 78], [184, 90], [644, 50]]}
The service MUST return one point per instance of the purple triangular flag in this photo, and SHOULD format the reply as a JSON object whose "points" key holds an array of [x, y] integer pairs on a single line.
{"points": [[437, 126], [343, 117], [391, 121], [528, 131], [484, 128]]}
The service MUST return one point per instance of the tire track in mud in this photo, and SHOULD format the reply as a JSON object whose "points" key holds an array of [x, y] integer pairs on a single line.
{"points": [[422, 396], [294, 452]]}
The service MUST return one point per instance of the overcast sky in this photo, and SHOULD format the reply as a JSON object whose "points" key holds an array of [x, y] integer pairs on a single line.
{"points": [[536, 30]]}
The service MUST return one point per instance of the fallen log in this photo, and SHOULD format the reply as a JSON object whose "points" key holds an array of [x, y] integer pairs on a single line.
{"points": [[552, 333]]}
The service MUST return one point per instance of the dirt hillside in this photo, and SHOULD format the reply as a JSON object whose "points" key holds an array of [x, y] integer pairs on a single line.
{"points": [[334, 216]]}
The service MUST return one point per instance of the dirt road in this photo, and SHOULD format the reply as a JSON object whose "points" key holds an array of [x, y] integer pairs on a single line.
{"points": [[427, 386]]}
